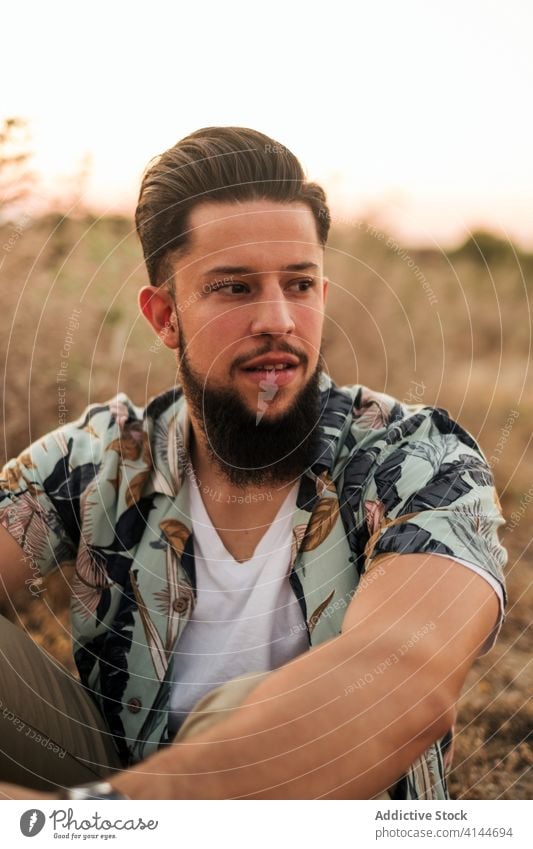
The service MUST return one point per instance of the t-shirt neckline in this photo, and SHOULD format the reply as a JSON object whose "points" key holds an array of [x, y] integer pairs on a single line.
{"points": [[197, 506]]}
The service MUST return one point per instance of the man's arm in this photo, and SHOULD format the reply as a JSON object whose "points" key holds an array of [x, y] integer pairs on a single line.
{"points": [[347, 718], [15, 568]]}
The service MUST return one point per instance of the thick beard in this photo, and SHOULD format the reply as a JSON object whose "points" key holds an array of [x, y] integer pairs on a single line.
{"points": [[250, 452]]}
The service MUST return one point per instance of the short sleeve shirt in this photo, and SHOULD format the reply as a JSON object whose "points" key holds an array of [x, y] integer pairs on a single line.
{"points": [[106, 491]]}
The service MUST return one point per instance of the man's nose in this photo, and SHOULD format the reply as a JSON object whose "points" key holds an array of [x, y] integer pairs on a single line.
{"points": [[271, 314]]}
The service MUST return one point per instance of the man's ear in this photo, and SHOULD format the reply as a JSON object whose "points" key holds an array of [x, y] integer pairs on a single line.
{"points": [[156, 305]]}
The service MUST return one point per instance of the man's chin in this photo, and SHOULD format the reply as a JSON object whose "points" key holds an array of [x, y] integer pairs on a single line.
{"points": [[268, 411], [256, 437]]}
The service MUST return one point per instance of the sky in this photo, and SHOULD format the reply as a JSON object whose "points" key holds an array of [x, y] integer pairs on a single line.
{"points": [[415, 113]]}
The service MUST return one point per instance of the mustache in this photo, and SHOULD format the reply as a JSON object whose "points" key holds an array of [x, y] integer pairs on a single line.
{"points": [[282, 348]]}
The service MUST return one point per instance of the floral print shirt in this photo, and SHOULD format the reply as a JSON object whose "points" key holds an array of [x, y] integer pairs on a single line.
{"points": [[106, 492]]}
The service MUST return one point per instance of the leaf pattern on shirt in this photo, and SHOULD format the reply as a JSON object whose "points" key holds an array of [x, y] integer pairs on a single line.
{"points": [[324, 483], [404, 428], [374, 512], [128, 446], [315, 616], [387, 476], [90, 580], [154, 641], [136, 486], [477, 468], [13, 477], [115, 482], [443, 489], [321, 523], [372, 410], [473, 527], [132, 446], [61, 440], [298, 533], [176, 533], [434, 451], [26, 461], [173, 453], [90, 429], [29, 524], [119, 412], [168, 443], [385, 525]]}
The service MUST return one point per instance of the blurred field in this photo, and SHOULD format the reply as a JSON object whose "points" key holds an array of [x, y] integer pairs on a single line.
{"points": [[447, 329]]}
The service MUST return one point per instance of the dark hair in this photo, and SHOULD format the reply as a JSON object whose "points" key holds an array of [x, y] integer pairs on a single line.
{"points": [[216, 164]]}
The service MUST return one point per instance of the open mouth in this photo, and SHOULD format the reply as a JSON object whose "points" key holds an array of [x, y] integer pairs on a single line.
{"points": [[276, 368], [276, 375], [280, 367]]}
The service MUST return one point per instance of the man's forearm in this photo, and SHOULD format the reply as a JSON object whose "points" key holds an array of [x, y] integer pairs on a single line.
{"points": [[306, 731]]}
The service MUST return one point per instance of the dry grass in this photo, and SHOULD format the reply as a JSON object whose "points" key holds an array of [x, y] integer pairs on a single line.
{"points": [[454, 330], [493, 754]]}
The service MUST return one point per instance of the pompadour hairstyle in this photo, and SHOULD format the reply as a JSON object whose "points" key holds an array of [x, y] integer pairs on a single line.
{"points": [[216, 164]]}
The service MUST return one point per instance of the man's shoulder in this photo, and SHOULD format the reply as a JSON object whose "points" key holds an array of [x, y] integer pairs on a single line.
{"points": [[373, 417], [96, 426], [120, 412], [101, 426], [365, 433]]}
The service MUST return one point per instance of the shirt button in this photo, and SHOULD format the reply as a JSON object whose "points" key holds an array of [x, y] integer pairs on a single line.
{"points": [[134, 705], [180, 605]]}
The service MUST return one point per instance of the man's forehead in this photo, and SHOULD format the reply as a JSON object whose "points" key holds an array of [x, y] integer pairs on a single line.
{"points": [[262, 220], [250, 269], [217, 212], [244, 236]]}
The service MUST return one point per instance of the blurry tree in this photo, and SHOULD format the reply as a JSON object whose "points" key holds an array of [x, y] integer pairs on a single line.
{"points": [[68, 198], [15, 177], [485, 246]]}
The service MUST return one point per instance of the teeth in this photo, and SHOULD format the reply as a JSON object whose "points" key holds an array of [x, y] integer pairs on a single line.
{"points": [[277, 367]]}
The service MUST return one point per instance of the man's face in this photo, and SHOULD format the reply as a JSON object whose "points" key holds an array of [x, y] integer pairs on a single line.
{"points": [[250, 295], [249, 302]]}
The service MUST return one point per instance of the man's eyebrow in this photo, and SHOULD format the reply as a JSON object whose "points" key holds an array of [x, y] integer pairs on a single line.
{"points": [[245, 269]]}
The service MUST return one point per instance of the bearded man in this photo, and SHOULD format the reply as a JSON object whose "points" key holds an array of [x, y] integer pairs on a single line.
{"points": [[280, 583]]}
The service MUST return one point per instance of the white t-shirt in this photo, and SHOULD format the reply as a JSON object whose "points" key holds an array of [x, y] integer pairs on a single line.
{"points": [[246, 618]]}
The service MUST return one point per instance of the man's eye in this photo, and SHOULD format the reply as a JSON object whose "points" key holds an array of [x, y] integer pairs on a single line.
{"points": [[237, 288], [307, 284], [241, 287]]}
